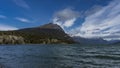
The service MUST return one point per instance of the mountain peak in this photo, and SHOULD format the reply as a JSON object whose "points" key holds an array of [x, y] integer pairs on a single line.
{"points": [[51, 26]]}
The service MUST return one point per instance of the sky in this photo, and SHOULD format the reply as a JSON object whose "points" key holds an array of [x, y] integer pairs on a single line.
{"points": [[84, 18]]}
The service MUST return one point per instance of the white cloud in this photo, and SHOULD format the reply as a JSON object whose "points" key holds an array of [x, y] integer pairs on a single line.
{"points": [[2, 17], [66, 17], [69, 23], [21, 3], [22, 20], [103, 23], [4, 27], [92, 10]]}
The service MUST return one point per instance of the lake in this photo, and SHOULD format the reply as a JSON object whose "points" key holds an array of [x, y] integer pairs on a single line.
{"points": [[60, 56]]}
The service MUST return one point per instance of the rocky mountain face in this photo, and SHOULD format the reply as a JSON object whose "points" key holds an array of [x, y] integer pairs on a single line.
{"points": [[46, 34], [11, 39]]}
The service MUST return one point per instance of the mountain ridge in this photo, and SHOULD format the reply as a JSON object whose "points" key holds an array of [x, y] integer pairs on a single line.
{"points": [[81, 40]]}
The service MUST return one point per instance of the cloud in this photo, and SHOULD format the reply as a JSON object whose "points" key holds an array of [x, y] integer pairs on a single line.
{"points": [[4, 27], [66, 17], [22, 20], [21, 3], [92, 10], [104, 23], [70, 22], [2, 17]]}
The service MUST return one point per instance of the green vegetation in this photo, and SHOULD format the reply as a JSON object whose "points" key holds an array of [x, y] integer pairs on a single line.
{"points": [[35, 36]]}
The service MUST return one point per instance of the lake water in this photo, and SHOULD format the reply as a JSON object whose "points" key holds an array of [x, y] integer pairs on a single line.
{"points": [[60, 56]]}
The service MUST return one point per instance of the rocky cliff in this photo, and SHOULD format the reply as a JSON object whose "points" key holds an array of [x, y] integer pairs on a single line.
{"points": [[11, 39]]}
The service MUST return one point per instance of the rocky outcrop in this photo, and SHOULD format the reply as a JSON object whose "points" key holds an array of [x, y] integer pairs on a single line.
{"points": [[11, 39]]}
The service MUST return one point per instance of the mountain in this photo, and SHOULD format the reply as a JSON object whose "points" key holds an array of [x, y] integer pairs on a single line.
{"points": [[45, 34], [51, 26], [115, 42], [89, 40]]}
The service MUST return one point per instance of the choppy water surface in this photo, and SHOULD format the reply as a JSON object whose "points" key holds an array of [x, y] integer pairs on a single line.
{"points": [[60, 56]]}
